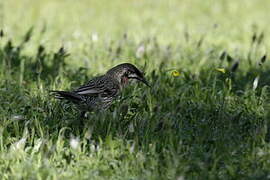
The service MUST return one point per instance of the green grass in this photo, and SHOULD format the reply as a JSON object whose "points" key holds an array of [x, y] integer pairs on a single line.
{"points": [[203, 124]]}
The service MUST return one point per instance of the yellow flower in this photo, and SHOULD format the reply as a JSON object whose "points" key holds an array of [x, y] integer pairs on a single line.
{"points": [[175, 73], [221, 70]]}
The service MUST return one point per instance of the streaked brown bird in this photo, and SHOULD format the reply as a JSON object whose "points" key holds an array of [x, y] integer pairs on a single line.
{"points": [[99, 93]]}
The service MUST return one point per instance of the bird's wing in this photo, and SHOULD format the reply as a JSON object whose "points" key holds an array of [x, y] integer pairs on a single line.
{"points": [[93, 87], [101, 85]]}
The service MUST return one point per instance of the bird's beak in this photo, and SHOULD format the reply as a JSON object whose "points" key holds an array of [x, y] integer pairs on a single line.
{"points": [[142, 79]]}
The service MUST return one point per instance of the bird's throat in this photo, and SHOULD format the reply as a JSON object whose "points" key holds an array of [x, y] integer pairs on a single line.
{"points": [[124, 80]]}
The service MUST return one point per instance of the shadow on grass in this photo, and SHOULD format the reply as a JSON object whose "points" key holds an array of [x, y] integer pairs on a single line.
{"points": [[197, 117]]}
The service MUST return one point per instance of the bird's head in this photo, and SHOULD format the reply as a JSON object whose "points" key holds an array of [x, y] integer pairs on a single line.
{"points": [[124, 73]]}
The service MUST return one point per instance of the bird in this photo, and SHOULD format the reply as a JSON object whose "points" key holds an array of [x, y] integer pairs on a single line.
{"points": [[99, 92]]}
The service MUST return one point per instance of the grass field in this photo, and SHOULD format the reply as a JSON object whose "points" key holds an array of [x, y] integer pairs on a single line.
{"points": [[210, 122]]}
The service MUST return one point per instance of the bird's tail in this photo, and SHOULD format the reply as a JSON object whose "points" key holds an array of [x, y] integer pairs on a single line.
{"points": [[70, 96]]}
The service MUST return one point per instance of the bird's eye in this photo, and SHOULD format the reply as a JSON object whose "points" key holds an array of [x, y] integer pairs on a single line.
{"points": [[126, 73]]}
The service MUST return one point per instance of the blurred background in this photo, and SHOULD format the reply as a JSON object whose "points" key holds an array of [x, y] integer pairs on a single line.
{"points": [[80, 24]]}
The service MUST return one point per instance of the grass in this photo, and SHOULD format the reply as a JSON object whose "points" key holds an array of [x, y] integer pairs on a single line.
{"points": [[211, 122]]}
